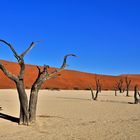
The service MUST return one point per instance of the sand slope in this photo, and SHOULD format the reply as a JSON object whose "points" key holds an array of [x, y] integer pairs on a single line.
{"points": [[71, 115], [68, 80]]}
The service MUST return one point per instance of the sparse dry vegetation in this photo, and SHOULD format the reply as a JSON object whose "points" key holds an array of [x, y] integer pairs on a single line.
{"points": [[28, 109]]}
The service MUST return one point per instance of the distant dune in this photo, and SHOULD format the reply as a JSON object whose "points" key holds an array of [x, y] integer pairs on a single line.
{"points": [[69, 79]]}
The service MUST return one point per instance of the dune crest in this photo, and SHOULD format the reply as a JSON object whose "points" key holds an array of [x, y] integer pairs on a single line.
{"points": [[69, 79]]}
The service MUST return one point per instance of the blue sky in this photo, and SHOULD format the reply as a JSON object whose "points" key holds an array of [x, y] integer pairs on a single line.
{"points": [[104, 34]]}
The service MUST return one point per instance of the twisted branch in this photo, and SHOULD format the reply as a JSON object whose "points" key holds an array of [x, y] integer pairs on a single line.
{"points": [[29, 48], [8, 74], [11, 47], [44, 75], [19, 58], [64, 64]]}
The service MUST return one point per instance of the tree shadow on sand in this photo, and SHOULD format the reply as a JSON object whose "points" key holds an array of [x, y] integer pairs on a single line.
{"points": [[70, 98], [9, 118], [114, 101]]}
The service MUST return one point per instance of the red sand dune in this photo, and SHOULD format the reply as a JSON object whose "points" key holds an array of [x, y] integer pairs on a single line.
{"points": [[69, 79]]}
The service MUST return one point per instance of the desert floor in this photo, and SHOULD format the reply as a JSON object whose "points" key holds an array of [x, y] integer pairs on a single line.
{"points": [[72, 115]]}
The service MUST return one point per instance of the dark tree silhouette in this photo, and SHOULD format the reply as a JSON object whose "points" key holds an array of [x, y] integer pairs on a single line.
{"points": [[120, 85], [115, 89], [136, 94], [28, 111], [128, 82], [0, 108], [92, 93], [98, 89]]}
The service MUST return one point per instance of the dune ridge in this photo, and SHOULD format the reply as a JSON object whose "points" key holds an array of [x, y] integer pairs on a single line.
{"points": [[69, 79]]}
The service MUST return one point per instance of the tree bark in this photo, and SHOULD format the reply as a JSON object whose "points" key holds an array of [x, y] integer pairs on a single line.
{"points": [[136, 101], [92, 93], [33, 105], [96, 95], [97, 88], [24, 114], [115, 92], [28, 111]]}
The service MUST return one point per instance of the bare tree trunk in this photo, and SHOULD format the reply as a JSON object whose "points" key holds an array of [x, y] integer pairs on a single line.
{"points": [[115, 87], [21, 115], [28, 112], [97, 88], [128, 82], [136, 100], [92, 93], [115, 92], [127, 91], [96, 95], [100, 87], [24, 114], [120, 85], [33, 105], [120, 89]]}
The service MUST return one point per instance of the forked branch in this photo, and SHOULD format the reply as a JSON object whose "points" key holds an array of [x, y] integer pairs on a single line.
{"points": [[64, 64], [65, 60], [20, 59], [11, 47], [44, 75], [8, 74], [29, 48]]}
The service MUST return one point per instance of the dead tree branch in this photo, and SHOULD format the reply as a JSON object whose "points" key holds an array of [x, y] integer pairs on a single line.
{"points": [[128, 82], [120, 85], [29, 48], [42, 76], [98, 89], [28, 109], [92, 93], [11, 47]]}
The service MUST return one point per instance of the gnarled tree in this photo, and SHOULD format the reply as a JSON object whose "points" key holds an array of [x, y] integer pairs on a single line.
{"points": [[28, 111]]}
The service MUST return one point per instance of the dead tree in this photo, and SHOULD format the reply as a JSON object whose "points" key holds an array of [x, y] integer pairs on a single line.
{"points": [[98, 89], [115, 89], [128, 82], [92, 93], [136, 94], [28, 110], [120, 85]]}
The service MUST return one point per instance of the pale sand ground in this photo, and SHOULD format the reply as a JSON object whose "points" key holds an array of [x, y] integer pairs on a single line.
{"points": [[72, 115]]}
